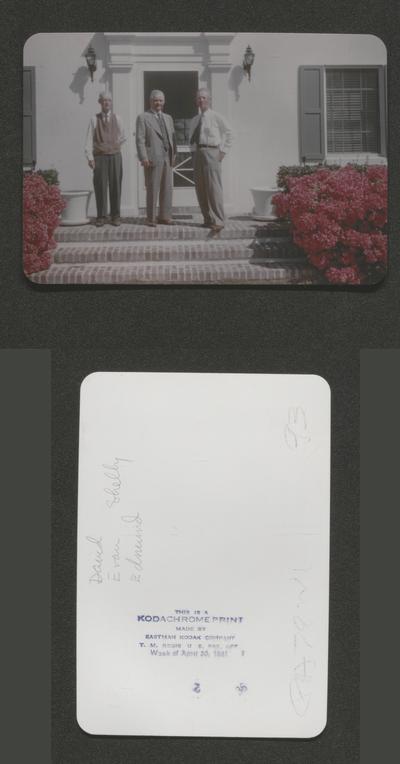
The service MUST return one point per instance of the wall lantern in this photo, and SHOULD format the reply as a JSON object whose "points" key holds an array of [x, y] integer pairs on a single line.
{"points": [[90, 56], [248, 61]]}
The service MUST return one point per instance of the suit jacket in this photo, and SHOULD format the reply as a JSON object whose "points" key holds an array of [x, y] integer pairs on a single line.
{"points": [[149, 141]]}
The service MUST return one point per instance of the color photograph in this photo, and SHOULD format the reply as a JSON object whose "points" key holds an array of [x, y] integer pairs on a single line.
{"points": [[204, 158]]}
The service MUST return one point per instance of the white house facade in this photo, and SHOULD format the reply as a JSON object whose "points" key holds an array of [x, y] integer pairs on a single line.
{"points": [[309, 98]]}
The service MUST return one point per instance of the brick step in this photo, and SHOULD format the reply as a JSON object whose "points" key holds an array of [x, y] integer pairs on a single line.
{"points": [[134, 230], [153, 251], [184, 273]]}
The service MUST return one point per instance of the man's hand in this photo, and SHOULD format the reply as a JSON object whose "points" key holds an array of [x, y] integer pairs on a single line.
{"points": [[146, 163], [221, 155], [91, 164]]}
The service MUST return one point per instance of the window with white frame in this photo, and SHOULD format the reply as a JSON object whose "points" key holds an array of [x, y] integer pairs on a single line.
{"points": [[352, 110], [342, 111]]}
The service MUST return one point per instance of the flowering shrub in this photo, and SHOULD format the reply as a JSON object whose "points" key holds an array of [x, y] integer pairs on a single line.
{"points": [[286, 172], [42, 207], [339, 219]]}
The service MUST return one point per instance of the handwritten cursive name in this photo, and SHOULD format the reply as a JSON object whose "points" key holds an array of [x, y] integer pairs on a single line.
{"points": [[113, 474], [136, 558], [97, 567], [116, 555]]}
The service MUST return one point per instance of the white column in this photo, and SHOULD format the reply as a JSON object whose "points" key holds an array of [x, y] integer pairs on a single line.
{"points": [[220, 102], [123, 98], [219, 66]]}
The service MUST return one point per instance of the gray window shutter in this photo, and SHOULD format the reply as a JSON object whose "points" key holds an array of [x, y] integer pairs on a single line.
{"points": [[311, 106], [383, 109], [29, 127]]}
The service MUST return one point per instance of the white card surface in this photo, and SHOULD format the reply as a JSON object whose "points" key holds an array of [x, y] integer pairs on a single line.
{"points": [[203, 554]]}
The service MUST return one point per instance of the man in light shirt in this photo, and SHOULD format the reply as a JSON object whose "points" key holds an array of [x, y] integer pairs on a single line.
{"points": [[104, 137], [210, 138]]}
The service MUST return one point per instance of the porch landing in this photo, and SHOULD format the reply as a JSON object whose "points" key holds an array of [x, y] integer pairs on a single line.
{"points": [[182, 253]]}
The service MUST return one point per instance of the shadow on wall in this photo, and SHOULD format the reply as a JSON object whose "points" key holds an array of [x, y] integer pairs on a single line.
{"points": [[236, 78], [82, 75]]}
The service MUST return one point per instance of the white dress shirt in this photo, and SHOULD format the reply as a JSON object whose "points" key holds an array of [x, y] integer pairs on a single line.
{"points": [[91, 129], [214, 131]]}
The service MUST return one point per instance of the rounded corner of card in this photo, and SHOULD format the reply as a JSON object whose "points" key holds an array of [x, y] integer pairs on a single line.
{"points": [[28, 277], [322, 383], [90, 380], [319, 728], [31, 40], [380, 278], [84, 725], [382, 42]]}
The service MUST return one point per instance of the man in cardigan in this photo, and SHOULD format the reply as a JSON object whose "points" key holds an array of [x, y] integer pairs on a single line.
{"points": [[156, 148], [103, 151]]}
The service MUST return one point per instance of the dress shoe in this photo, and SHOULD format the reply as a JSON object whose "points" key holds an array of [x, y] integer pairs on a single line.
{"points": [[116, 220], [150, 223], [165, 222], [99, 222], [216, 228]]}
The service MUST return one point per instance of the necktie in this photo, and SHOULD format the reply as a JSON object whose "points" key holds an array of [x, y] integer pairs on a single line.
{"points": [[163, 130], [196, 134]]}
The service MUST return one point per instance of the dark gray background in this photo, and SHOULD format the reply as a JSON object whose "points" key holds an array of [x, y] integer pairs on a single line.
{"points": [[253, 329], [380, 428]]}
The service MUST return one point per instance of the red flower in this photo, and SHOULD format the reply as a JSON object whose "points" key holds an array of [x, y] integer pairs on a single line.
{"points": [[343, 275], [322, 260], [42, 205], [338, 218]]}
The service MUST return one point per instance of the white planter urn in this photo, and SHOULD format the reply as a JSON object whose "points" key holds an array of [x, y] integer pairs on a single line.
{"points": [[76, 210], [263, 207]]}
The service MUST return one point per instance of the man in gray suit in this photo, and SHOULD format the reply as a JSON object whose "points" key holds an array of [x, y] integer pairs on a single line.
{"points": [[156, 148]]}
